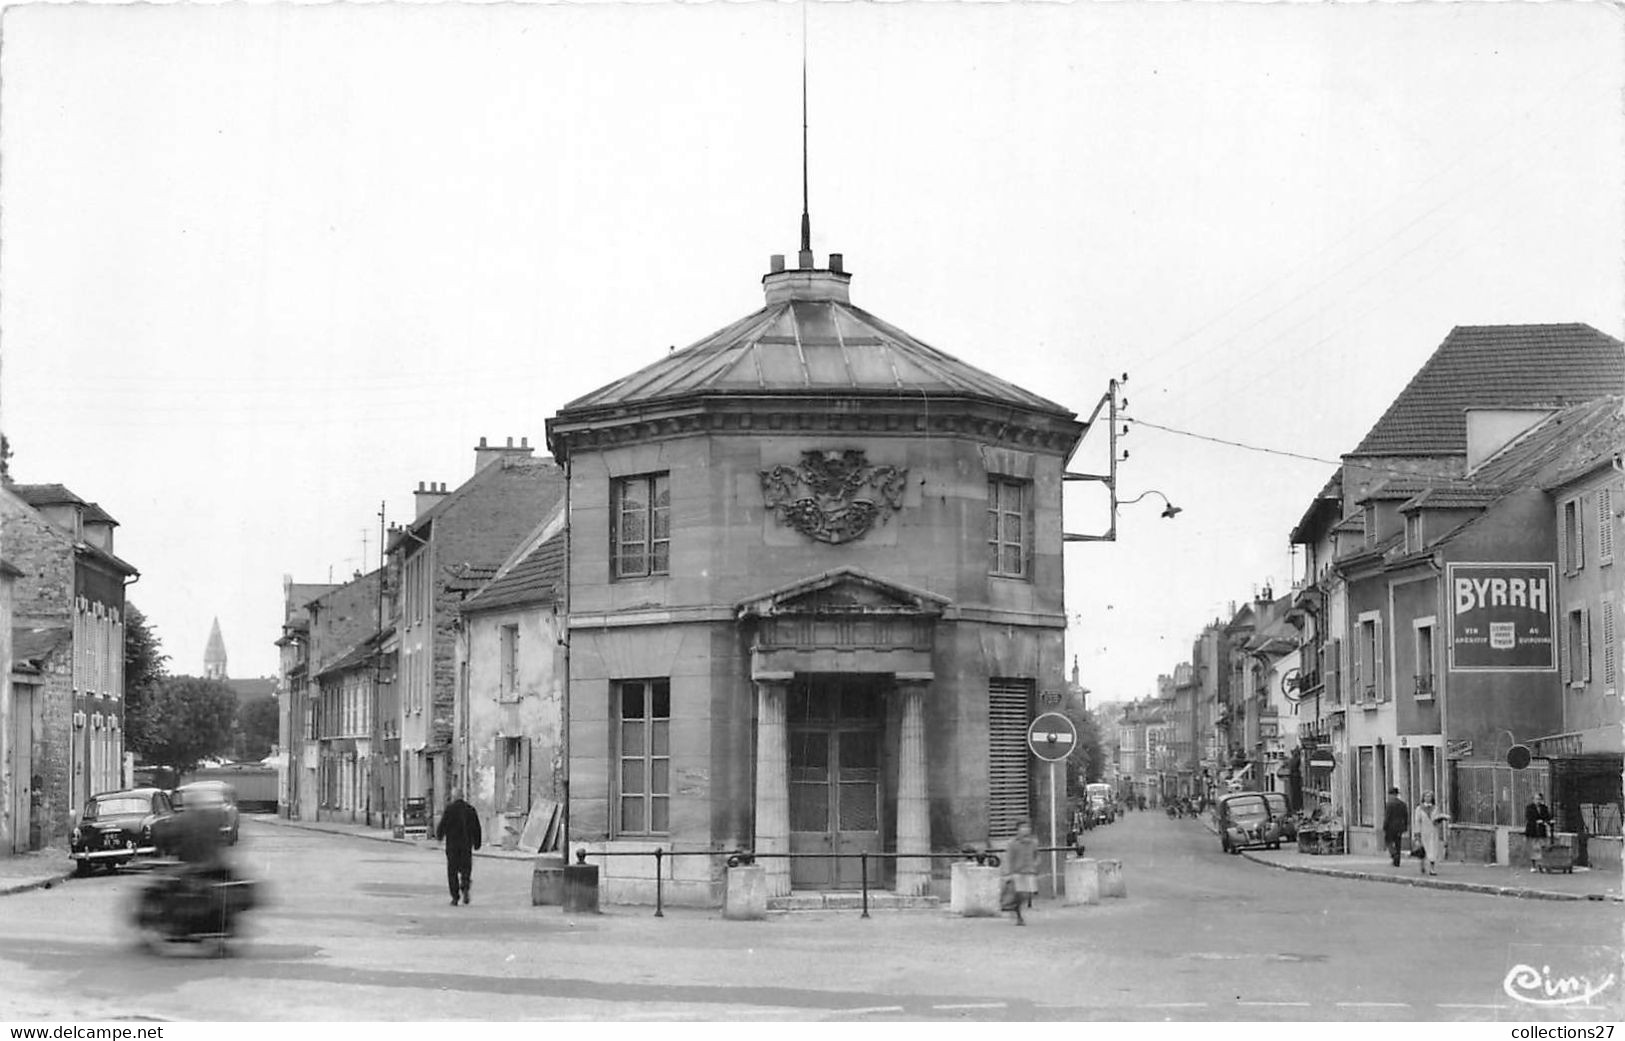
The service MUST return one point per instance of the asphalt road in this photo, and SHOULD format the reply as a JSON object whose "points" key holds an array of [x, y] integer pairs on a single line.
{"points": [[362, 930]]}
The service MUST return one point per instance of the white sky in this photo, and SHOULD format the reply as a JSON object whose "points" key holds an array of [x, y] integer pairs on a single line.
{"points": [[263, 267]]}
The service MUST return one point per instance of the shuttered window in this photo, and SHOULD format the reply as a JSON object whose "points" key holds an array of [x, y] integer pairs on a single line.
{"points": [[1610, 647], [1605, 526], [1009, 711]]}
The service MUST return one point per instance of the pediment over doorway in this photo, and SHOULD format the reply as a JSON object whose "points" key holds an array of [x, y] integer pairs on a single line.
{"points": [[842, 621], [843, 591]]}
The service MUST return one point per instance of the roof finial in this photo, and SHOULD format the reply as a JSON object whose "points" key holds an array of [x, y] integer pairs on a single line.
{"points": [[806, 221]]}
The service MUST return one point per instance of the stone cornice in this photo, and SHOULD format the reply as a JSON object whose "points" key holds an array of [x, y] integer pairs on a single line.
{"points": [[700, 614], [879, 415]]}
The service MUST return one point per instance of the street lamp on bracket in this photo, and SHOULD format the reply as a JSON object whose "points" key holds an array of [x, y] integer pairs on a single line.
{"points": [[1109, 403]]}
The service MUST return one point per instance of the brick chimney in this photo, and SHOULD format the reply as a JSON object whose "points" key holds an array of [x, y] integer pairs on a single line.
{"points": [[485, 454], [427, 495]]}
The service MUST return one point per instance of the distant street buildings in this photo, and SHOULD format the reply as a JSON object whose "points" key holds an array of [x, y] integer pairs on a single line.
{"points": [[1459, 597]]}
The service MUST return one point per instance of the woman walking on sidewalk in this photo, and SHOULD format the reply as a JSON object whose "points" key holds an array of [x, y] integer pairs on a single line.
{"points": [[1429, 824]]}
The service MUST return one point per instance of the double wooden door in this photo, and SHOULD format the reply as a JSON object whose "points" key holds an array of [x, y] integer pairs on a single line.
{"points": [[835, 727]]}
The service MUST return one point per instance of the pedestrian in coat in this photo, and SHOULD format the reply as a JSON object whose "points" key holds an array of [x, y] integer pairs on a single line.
{"points": [[1429, 827], [1396, 820], [1020, 863], [1537, 818], [459, 829]]}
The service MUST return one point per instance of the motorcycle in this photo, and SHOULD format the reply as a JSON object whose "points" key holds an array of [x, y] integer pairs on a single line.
{"points": [[192, 905]]}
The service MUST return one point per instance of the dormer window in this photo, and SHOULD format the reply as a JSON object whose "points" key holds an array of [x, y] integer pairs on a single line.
{"points": [[1368, 515], [1413, 532]]}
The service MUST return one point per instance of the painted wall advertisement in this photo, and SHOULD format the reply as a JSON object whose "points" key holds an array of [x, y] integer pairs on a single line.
{"points": [[1502, 618]]}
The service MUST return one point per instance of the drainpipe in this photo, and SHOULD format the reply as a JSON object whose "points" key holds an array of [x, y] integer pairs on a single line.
{"points": [[1442, 794], [564, 641]]}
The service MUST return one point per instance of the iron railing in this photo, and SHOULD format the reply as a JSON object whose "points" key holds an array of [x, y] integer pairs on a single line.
{"points": [[745, 857]]}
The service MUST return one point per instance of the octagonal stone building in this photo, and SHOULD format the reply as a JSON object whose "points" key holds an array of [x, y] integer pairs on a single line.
{"points": [[814, 590]]}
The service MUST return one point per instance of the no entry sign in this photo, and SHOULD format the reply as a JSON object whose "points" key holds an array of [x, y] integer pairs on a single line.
{"points": [[1052, 737]]}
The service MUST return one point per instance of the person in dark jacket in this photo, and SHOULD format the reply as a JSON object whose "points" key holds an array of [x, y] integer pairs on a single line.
{"points": [[459, 829], [1396, 820], [1537, 818]]}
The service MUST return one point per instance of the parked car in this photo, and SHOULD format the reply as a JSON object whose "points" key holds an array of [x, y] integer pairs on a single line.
{"points": [[1251, 819], [116, 827], [189, 798]]}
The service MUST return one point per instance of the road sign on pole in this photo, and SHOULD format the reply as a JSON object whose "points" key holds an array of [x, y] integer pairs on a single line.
{"points": [[1052, 737]]}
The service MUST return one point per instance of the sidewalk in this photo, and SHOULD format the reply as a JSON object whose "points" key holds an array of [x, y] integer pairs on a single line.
{"points": [[362, 831], [1495, 879], [37, 870]]}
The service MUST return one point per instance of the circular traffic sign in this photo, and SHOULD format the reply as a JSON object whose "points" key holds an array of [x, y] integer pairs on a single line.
{"points": [[1518, 757], [1052, 737]]}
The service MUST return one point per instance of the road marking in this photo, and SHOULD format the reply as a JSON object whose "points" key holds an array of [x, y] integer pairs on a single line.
{"points": [[875, 1008], [984, 1004], [1466, 1006], [1179, 1004], [1286, 1004], [1372, 1004]]}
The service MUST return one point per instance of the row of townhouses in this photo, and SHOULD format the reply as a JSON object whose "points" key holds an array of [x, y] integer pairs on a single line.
{"points": [[796, 588], [62, 603], [1459, 605]]}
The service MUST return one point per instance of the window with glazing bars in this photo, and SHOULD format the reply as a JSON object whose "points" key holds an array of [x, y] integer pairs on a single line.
{"points": [[643, 739], [1009, 504], [640, 526]]}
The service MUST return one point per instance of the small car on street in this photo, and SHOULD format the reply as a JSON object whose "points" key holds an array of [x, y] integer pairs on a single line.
{"points": [[189, 798], [114, 828], [1251, 820]]}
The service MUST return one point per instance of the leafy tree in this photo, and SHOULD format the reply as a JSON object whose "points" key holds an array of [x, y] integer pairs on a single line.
{"points": [[144, 667], [1088, 763], [5, 457], [185, 719], [256, 728]]}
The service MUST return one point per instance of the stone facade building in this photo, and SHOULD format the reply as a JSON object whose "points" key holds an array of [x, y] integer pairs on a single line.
{"points": [[65, 710], [815, 589], [453, 545]]}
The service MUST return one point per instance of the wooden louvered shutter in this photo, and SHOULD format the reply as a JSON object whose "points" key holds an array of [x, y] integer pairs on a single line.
{"points": [[1564, 565], [1585, 645], [1610, 653], [1605, 525], [1377, 681], [1009, 711]]}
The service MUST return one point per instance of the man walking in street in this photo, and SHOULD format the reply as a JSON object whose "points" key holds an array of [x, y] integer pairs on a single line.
{"points": [[1396, 820], [459, 829]]}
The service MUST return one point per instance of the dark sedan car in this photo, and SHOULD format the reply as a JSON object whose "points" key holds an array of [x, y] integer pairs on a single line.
{"points": [[215, 796], [116, 827]]}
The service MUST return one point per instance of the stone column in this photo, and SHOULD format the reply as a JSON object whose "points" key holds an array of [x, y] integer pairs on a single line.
{"points": [[913, 805], [772, 784]]}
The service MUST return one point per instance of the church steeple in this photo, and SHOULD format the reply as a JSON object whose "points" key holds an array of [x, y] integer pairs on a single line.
{"points": [[214, 655]]}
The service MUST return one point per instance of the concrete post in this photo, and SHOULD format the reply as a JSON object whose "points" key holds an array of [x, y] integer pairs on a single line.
{"points": [[1112, 882], [746, 897], [973, 891], [772, 784], [913, 806], [1082, 881]]}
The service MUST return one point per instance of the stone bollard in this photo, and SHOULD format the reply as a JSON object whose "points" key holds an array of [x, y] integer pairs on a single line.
{"points": [[580, 888], [973, 890], [746, 897], [547, 881], [1111, 878], [1082, 881]]}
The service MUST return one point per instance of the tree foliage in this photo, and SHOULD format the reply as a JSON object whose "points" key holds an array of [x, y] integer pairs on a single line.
{"points": [[184, 720], [145, 665], [256, 728], [1088, 763]]}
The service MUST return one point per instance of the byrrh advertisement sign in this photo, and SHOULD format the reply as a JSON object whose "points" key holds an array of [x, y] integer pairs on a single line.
{"points": [[1502, 618]]}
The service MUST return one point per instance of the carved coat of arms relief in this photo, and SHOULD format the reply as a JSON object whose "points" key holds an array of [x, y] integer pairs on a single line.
{"points": [[833, 496]]}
